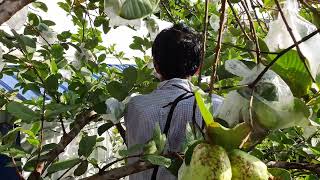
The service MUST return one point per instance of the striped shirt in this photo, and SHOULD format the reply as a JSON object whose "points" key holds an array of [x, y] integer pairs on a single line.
{"points": [[145, 111]]}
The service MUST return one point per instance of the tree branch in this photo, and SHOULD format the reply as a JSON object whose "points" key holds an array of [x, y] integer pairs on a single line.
{"points": [[293, 165], [9, 7], [253, 30], [238, 20], [81, 120], [123, 171], [218, 47]]}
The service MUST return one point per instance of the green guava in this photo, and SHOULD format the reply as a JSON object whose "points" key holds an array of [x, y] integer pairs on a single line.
{"points": [[209, 162], [247, 167]]}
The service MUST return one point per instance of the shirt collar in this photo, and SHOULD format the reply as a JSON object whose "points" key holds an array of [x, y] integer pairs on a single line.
{"points": [[168, 84]]}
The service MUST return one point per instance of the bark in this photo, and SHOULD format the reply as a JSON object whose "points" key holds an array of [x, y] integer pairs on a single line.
{"points": [[123, 171], [82, 119], [293, 165], [9, 7]]}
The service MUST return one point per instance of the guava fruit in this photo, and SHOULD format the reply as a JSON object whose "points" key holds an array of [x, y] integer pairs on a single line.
{"points": [[208, 162], [247, 167]]}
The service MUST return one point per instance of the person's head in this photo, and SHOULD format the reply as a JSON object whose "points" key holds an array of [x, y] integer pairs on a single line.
{"points": [[176, 52]]}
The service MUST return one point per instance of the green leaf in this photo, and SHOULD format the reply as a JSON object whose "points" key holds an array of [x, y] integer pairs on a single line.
{"points": [[103, 128], [57, 51], [228, 138], [86, 145], [130, 75], [33, 19], [64, 6], [280, 173], [62, 165], [40, 5], [23, 112], [53, 110], [135, 9], [159, 138], [81, 169], [130, 151], [51, 83], [206, 114], [157, 160], [101, 58], [150, 148], [99, 21], [35, 127], [48, 22], [293, 72], [117, 90]]}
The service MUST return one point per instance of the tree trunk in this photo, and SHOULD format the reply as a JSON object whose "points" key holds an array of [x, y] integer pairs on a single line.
{"points": [[9, 7]]}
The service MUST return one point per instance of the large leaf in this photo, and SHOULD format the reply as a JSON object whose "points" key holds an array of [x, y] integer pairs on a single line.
{"points": [[293, 72], [62, 165], [117, 90], [279, 173], [86, 145], [23, 112], [229, 138], [130, 75], [135, 9], [81, 169], [157, 160], [206, 114]]}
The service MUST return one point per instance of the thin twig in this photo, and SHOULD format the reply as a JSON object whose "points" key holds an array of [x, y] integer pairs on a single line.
{"points": [[18, 172], [253, 30], [256, 16], [123, 171], [281, 54], [238, 20], [204, 39], [64, 173], [302, 57], [118, 160], [294, 165], [218, 46]]}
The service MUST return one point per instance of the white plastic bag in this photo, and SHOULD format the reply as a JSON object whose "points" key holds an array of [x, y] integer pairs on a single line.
{"points": [[17, 21], [48, 36], [274, 105], [278, 36], [112, 8]]}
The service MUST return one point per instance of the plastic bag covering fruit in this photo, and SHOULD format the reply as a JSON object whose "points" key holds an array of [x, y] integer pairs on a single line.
{"points": [[208, 162], [273, 103], [278, 36], [246, 166], [112, 8], [17, 21]]}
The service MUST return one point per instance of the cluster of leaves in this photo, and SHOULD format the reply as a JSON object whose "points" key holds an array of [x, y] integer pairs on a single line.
{"points": [[93, 84]]}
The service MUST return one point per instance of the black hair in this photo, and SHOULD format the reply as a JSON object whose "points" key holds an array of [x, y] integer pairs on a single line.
{"points": [[177, 52]]}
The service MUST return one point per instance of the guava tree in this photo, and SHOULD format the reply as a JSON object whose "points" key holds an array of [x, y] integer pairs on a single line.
{"points": [[276, 111]]}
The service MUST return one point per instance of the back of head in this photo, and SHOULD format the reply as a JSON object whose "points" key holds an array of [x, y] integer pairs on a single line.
{"points": [[177, 52]]}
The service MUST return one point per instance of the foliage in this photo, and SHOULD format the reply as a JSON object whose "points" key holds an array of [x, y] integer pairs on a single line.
{"points": [[93, 85]]}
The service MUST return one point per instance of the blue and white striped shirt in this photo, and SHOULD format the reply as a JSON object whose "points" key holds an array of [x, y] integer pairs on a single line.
{"points": [[145, 111]]}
